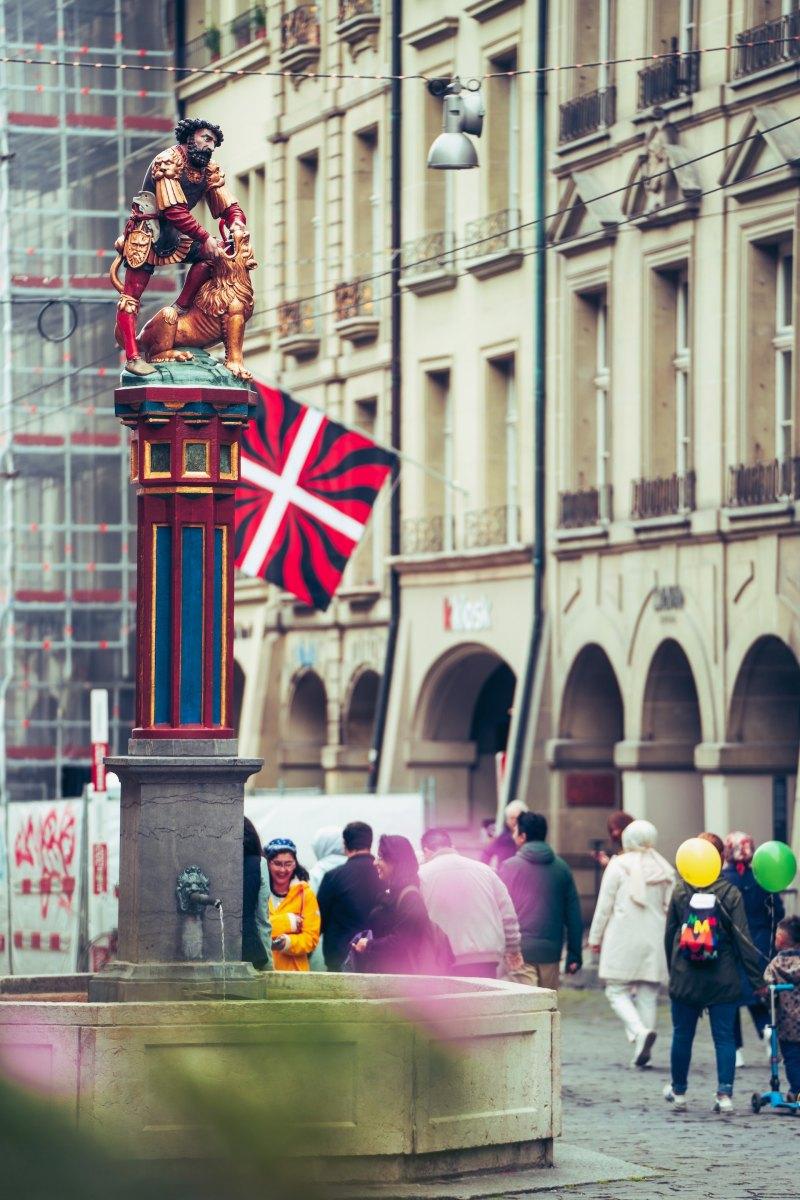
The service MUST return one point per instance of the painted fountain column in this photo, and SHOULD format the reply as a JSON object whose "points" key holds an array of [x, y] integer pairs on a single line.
{"points": [[182, 780]]}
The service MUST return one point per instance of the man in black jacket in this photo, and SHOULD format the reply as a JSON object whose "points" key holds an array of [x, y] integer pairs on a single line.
{"points": [[348, 894]]}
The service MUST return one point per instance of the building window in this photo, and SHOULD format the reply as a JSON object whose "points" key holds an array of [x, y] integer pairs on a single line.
{"points": [[251, 187], [590, 432], [367, 564], [438, 193], [439, 457], [502, 135], [497, 523], [769, 386], [681, 364], [676, 71], [309, 230], [669, 375], [783, 342], [592, 96], [366, 204]]}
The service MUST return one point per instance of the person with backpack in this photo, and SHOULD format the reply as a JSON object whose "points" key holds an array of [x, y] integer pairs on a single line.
{"points": [[706, 942], [401, 938]]}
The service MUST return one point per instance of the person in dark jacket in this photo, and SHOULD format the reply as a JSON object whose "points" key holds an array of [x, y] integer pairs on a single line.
{"points": [[546, 899], [763, 912], [503, 846], [403, 939], [348, 894], [256, 934], [714, 984]]}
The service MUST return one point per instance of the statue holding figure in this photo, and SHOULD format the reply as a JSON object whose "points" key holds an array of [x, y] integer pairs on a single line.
{"points": [[217, 297]]}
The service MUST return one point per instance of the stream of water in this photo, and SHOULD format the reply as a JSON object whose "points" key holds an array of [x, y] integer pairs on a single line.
{"points": [[218, 907]]}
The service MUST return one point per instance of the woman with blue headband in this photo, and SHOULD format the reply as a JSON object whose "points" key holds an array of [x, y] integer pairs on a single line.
{"points": [[293, 909]]}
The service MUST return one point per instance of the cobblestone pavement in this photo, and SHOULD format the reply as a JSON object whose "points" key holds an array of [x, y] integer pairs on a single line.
{"points": [[610, 1108]]}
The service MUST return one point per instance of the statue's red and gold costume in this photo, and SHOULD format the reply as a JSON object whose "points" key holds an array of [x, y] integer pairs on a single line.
{"points": [[161, 230]]}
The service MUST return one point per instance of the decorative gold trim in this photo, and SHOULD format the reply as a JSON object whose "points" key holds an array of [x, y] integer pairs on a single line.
{"points": [[149, 473], [234, 471], [128, 304], [134, 460], [196, 474]]}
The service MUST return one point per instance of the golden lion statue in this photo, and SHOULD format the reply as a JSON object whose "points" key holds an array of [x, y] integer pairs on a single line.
{"points": [[219, 313]]}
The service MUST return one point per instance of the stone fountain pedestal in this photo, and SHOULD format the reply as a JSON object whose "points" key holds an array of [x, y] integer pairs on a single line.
{"points": [[181, 804]]}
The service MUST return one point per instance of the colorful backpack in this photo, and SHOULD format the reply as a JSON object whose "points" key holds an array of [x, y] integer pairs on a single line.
{"points": [[699, 939]]}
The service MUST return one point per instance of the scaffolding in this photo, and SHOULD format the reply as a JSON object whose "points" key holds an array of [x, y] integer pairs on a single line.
{"points": [[75, 141]]}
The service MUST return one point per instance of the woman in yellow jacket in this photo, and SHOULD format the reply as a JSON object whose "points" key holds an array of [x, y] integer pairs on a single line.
{"points": [[293, 908]]}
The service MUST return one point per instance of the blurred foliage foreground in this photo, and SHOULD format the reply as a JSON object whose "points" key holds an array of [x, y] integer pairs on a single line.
{"points": [[253, 1132]]}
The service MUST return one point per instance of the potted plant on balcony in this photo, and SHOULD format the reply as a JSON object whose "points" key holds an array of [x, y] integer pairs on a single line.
{"points": [[213, 42], [259, 22]]}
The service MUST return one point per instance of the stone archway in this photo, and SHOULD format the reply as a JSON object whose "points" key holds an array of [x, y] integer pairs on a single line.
{"points": [[359, 717], [462, 722], [661, 782], [591, 723], [753, 786], [305, 733]]}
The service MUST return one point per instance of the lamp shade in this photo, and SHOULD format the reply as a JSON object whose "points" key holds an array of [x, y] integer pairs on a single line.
{"points": [[452, 152]]}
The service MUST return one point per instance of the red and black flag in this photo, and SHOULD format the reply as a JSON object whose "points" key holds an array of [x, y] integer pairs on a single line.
{"points": [[307, 487]]}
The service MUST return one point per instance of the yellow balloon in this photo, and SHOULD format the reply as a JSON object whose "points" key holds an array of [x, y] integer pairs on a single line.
{"points": [[698, 862]]}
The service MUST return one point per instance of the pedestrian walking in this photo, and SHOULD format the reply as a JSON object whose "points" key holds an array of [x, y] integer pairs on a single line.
{"points": [[709, 982], [348, 894], [256, 930], [472, 905], [616, 823], [503, 846], [401, 939], [293, 909], [544, 895], [763, 911], [785, 968], [628, 933]]}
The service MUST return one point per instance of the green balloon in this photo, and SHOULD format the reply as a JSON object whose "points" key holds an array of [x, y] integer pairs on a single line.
{"points": [[774, 866]]}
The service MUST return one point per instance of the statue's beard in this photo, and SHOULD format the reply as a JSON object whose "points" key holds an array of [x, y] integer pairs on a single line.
{"points": [[198, 158]]}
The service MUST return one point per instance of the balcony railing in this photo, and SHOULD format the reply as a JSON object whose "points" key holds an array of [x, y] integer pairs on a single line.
{"points": [[764, 483], [768, 44], [497, 526], [354, 299], [670, 77], [496, 234], [664, 497], [586, 507], [358, 8], [300, 27], [586, 114], [216, 43], [428, 255], [297, 318], [425, 535]]}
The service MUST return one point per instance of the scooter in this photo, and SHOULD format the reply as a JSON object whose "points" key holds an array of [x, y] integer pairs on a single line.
{"points": [[774, 1098]]}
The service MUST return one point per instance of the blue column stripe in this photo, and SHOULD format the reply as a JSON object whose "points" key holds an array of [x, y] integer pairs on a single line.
{"points": [[192, 625], [219, 583], [162, 620]]}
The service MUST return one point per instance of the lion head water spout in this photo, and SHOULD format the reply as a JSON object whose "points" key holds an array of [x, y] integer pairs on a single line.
{"points": [[193, 898]]}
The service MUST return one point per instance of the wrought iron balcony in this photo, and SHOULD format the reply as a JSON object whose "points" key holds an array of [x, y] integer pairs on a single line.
{"points": [[496, 234], [586, 507], [348, 9], [431, 254], [768, 44], [300, 36], [356, 319], [425, 535], [217, 43], [497, 526], [670, 77], [663, 497], [298, 328], [586, 114], [764, 482]]}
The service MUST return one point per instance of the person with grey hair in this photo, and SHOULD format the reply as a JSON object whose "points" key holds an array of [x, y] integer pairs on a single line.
{"points": [[628, 933], [504, 846]]}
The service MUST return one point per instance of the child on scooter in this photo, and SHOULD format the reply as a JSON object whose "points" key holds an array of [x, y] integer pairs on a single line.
{"points": [[785, 968]]}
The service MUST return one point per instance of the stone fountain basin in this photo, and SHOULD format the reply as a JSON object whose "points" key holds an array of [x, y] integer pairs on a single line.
{"points": [[411, 1077]]}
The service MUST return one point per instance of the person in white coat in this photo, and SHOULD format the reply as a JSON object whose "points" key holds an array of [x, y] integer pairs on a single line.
{"points": [[628, 933]]}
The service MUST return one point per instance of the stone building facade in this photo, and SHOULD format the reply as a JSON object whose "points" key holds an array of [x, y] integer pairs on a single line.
{"points": [[308, 159], [674, 561]]}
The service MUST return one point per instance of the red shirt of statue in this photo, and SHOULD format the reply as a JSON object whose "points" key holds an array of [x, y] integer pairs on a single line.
{"points": [[161, 229]]}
